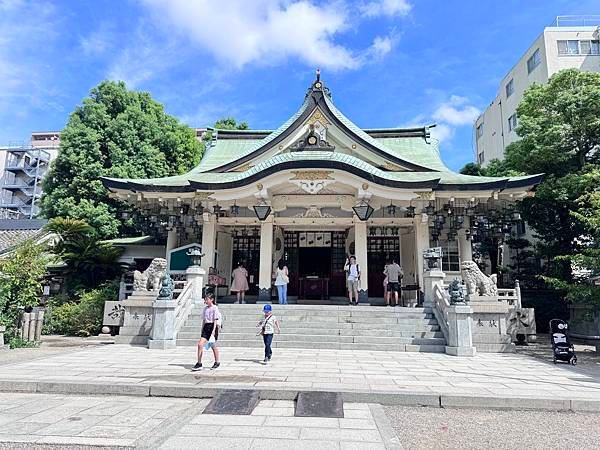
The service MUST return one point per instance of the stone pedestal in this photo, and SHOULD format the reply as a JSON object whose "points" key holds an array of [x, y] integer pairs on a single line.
{"points": [[490, 331], [2, 331], [137, 318], [460, 340], [430, 279], [162, 335], [197, 276]]}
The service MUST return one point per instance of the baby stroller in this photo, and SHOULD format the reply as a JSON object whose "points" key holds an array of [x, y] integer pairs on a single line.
{"points": [[562, 348]]}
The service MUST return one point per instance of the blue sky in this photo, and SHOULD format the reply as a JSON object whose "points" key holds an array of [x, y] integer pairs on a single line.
{"points": [[387, 62]]}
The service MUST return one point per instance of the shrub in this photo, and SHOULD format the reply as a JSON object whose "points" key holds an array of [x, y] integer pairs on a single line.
{"points": [[83, 318], [17, 342]]}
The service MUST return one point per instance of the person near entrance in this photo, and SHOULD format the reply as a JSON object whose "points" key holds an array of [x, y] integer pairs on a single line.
{"points": [[239, 285], [281, 281], [394, 274], [268, 324], [211, 319], [353, 276]]}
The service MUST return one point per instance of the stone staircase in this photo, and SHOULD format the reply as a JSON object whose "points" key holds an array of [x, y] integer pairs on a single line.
{"points": [[326, 327]]}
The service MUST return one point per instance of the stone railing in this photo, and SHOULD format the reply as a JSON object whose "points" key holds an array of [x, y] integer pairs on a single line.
{"points": [[455, 320], [512, 296], [170, 315]]}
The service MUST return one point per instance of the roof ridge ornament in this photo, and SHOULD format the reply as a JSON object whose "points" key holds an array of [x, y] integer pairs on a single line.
{"points": [[318, 86]]}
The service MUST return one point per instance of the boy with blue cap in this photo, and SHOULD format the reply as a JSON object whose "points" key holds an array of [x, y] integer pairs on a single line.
{"points": [[268, 324]]}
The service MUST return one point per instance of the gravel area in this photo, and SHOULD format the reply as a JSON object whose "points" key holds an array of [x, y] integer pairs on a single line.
{"points": [[438, 428]]}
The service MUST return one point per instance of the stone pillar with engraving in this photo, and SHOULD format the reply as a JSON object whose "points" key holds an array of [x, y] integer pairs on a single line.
{"points": [[266, 260]]}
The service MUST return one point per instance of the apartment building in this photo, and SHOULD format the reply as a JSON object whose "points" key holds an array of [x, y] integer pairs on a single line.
{"points": [[570, 42]]}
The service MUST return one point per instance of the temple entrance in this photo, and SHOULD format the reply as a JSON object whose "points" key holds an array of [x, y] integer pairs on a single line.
{"points": [[246, 249], [315, 261], [380, 249]]}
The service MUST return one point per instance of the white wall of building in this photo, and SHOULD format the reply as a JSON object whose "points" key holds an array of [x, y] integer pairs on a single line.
{"points": [[495, 132]]}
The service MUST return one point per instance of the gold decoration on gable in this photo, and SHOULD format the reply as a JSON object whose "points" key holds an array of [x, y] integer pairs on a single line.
{"points": [[426, 195], [312, 175], [243, 168], [318, 116]]}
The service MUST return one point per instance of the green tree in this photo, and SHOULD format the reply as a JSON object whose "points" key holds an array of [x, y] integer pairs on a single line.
{"points": [[559, 127], [114, 133], [21, 282], [229, 123], [89, 261]]}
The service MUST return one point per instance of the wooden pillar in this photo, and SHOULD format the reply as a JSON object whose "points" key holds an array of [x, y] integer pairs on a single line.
{"points": [[266, 259], [464, 245], [421, 243], [360, 247], [209, 238]]}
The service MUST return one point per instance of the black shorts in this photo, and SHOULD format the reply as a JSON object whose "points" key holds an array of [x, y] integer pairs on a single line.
{"points": [[207, 331], [393, 287]]}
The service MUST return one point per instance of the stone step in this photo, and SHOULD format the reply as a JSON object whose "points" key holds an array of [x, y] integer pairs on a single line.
{"points": [[323, 321], [425, 333], [226, 337], [279, 308], [425, 348], [402, 326]]}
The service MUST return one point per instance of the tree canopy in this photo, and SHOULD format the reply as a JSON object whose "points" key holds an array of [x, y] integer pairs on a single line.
{"points": [[118, 133]]}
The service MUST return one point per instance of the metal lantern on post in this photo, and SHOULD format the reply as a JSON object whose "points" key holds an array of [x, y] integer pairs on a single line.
{"points": [[262, 211], [363, 211], [391, 209], [195, 255]]}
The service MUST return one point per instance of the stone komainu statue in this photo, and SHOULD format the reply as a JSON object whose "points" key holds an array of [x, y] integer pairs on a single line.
{"points": [[166, 287], [149, 279], [477, 282]]}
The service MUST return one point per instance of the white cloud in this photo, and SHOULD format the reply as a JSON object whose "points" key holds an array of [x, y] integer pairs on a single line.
{"points": [[270, 31], [386, 8], [99, 41], [381, 46], [442, 132], [448, 116], [456, 111]]}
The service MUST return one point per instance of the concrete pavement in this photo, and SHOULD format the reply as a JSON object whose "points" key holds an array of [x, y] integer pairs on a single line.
{"points": [[487, 380]]}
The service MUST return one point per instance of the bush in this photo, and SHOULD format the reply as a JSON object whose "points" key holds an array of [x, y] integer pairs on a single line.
{"points": [[17, 342], [83, 318], [21, 276]]}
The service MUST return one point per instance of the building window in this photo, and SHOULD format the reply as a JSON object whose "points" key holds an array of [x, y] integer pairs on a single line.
{"points": [[590, 47], [534, 61], [450, 255], [479, 130], [510, 88], [570, 47], [512, 122]]}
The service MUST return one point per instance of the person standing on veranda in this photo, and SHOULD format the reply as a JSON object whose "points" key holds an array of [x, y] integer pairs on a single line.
{"points": [[394, 274], [353, 278], [281, 281], [239, 283]]}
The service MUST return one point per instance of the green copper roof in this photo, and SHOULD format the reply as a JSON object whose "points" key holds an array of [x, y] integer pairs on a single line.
{"points": [[408, 148]]}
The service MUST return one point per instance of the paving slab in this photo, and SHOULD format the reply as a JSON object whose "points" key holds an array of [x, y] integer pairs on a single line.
{"points": [[360, 375], [319, 404]]}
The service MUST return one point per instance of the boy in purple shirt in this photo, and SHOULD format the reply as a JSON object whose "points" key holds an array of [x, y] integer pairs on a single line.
{"points": [[211, 318]]}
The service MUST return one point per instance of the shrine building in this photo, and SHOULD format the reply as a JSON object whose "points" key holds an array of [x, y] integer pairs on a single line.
{"points": [[316, 190]]}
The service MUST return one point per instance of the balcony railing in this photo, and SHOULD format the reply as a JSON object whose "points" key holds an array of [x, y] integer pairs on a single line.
{"points": [[577, 21]]}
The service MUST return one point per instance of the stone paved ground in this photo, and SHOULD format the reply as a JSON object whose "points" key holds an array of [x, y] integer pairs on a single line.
{"points": [[438, 428], [361, 371], [38, 420]]}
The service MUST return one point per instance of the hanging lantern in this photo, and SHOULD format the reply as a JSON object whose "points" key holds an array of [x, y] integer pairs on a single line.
{"points": [[363, 211], [391, 209], [430, 209], [235, 210], [410, 211]]}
